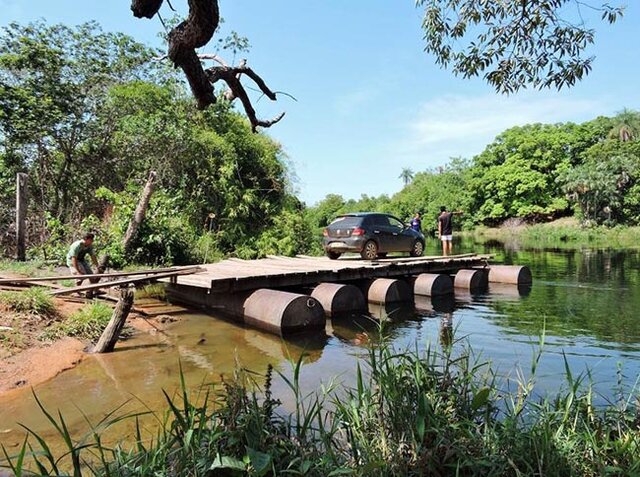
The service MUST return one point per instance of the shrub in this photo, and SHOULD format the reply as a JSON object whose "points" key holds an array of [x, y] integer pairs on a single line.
{"points": [[87, 323], [35, 301]]}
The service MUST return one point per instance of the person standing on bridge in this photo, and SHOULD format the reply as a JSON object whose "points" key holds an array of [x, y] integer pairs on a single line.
{"points": [[445, 229]]}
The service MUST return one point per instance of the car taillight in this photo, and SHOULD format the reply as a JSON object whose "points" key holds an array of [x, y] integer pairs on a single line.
{"points": [[357, 231], [325, 233]]}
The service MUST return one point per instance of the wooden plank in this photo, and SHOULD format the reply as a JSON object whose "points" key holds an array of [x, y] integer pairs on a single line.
{"points": [[97, 286], [101, 275]]}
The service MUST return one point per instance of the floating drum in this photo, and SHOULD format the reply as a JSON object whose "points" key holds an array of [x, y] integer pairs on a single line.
{"points": [[336, 298], [432, 284], [513, 274], [388, 290], [470, 279], [283, 312]]}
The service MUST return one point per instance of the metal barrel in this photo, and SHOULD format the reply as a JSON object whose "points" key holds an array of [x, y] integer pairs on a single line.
{"points": [[337, 298], [470, 279], [513, 274], [432, 284], [283, 312], [389, 290]]}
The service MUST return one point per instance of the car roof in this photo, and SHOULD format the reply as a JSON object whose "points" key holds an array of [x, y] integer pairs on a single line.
{"points": [[363, 214]]}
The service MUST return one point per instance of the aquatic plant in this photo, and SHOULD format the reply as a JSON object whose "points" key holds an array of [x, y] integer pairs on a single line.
{"points": [[408, 413]]}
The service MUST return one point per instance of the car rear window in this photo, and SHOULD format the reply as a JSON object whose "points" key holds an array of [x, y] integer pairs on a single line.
{"points": [[346, 221]]}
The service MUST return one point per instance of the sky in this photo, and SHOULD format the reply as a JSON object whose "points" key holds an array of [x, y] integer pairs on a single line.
{"points": [[370, 101]]}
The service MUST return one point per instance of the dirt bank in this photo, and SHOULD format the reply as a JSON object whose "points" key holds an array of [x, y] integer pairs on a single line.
{"points": [[28, 358]]}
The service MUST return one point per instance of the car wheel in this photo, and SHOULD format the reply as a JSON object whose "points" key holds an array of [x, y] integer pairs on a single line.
{"points": [[418, 249], [333, 255], [382, 255], [370, 250]]}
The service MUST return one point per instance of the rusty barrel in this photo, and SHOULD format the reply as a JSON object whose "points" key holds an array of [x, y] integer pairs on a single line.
{"points": [[283, 312], [470, 279], [388, 290], [338, 298], [433, 284], [512, 274]]}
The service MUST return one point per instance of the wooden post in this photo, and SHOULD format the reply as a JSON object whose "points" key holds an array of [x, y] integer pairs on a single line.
{"points": [[141, 210], [110, 335], [21, 215]]}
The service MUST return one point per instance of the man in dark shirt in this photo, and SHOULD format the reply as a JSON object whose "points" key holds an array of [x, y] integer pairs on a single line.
{"points": [[445, 229]]}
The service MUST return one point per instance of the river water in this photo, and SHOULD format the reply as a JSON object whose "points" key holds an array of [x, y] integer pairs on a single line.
{"points": [[585, 302]]}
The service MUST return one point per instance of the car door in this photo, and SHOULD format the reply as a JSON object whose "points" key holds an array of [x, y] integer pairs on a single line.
{"points": [[380, 231], [398, 240]]}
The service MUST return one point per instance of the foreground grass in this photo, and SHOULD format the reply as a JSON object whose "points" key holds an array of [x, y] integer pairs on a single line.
{"points": [[564, 233], [408, 413]]}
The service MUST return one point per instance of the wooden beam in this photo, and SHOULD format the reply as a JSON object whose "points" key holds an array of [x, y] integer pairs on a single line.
{"points": [[101, 275], [114, 283]]}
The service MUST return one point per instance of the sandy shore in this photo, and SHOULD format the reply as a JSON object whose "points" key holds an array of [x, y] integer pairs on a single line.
{"points": [[39, 364]]}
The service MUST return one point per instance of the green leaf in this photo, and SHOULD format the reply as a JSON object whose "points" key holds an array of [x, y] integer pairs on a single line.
{"points": [[260, 461], [480, 399], [227, 462]]}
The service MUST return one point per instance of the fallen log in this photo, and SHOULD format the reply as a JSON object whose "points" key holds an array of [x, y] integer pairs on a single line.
{"points": [[111, 333]]}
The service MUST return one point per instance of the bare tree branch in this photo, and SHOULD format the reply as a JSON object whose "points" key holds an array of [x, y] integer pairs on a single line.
{"points": [[195, 32]]}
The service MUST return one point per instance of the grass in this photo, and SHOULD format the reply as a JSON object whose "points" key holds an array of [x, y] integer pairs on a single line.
{"points": [[31, 268], [409, 413], [153, 290], [563, 233], [33, 300], [87, 323]]}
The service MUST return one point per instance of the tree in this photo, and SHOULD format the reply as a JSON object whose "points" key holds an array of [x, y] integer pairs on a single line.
{"points": [[195, 32], [52, 81], [406, 175], [514, 43], [627, 126]]}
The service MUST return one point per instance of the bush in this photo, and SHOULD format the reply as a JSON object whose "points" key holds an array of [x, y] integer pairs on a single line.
{"points": [[87, 323], [35, 301]]}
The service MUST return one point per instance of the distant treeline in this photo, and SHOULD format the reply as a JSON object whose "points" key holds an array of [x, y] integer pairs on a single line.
{"points": [[534, 173]]}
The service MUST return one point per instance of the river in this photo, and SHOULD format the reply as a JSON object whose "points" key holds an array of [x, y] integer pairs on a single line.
{"points": [[585, 302]]}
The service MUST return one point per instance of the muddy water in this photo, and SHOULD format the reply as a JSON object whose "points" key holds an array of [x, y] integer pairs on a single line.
{"points": [[586, 302]]}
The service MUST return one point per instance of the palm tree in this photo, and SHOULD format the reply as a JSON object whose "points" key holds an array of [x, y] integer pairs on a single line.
{"points": [[406, 175], [627, 126]]}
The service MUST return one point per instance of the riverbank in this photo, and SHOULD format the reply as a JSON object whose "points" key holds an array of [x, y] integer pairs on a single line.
{"points": [[565, 233]]}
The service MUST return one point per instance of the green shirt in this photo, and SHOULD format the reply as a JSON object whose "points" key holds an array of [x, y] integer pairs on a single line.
{"points": [[78, 250]]}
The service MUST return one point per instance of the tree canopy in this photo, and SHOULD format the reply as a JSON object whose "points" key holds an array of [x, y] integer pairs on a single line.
{"points": [[513, 43]]}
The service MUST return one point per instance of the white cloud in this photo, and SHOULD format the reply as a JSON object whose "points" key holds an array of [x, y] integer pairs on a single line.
{"points": [[456, 125]]}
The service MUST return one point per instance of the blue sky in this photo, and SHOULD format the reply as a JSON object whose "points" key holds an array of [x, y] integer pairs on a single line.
{"points": [[370, 101]]}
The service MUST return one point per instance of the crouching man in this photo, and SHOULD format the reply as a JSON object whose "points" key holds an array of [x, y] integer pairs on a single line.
{"points": [[76, 258]]}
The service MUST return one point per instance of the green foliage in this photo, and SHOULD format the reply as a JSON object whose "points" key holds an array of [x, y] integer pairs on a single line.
{"points": [[606, 186], [154, 290], [540, 43], [408, 413], [535, 173], [87, 323], [34, 301]]}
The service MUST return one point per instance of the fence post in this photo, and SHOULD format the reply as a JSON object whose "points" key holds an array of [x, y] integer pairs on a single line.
{"points": [[21, 215]]}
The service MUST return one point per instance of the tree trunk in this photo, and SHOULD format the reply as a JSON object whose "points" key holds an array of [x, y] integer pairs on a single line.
{"points": [[21, 215], [110, 335], [141, 210]]}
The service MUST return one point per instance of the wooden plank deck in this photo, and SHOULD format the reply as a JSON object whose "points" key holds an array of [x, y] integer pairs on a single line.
{"points": [[234, 274]]}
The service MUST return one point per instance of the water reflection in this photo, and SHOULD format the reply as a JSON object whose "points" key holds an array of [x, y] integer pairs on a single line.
{"points": [[585, 301]]}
